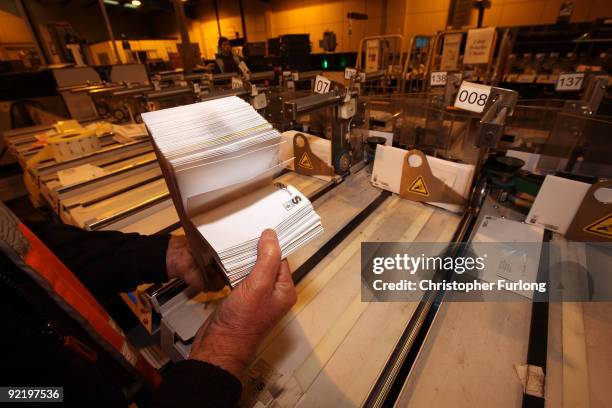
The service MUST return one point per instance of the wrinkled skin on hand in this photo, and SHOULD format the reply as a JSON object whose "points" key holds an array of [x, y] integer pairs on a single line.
{"points": [[230, 336], [180, 264]]}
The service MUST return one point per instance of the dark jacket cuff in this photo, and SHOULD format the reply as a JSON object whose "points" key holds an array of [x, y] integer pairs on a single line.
{"points": [[193, 383], [152, 258]]}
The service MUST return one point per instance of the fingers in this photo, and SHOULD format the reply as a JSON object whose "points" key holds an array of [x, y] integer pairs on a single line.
{"points": [[284, 288], [284, 274], [268, 261]]}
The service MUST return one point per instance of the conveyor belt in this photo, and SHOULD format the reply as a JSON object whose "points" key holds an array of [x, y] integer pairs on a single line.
{"points": [[121, 176], [331, 347], [468, 349], [99, 214], [46, 172], [469, 355]]}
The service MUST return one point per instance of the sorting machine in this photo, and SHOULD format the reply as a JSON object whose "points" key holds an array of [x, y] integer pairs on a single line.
{"points": [[333, 348]]}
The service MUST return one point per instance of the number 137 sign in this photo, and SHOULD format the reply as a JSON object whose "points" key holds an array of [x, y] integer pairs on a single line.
{"points": [[569, 82]]}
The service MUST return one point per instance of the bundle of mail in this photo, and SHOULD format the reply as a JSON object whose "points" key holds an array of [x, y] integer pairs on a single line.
{"points": [[219, 158], [387, 173]]}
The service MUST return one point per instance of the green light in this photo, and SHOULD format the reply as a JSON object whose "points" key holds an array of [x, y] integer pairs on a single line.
{"points": [[343, 62], [325, 64]]}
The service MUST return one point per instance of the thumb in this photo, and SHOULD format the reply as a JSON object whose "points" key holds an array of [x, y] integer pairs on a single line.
{"points": [[268, 260]]}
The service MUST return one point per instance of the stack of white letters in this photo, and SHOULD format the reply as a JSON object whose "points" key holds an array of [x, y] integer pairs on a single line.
{"points": [[218, 158]]}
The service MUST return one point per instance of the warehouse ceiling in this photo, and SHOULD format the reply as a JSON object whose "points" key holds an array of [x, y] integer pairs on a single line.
{"points": [[146, 6]]}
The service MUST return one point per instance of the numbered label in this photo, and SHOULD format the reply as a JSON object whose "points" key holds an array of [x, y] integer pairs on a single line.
{"points": [[472, 97], [322, 85], [236, 83], [438, 78], [349, 73], [569, 82]]}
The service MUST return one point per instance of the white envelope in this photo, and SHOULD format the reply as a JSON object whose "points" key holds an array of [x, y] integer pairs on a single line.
{"points": [[387, 173], [263, 208], [516, 254], [557, 203]]}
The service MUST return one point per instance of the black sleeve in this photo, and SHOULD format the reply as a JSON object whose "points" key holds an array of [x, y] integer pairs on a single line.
{"points": [[107, 262], [193, 383]]}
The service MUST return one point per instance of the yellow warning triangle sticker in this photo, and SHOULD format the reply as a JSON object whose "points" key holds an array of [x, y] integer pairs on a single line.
{"points": [[305, 161], [418, 187], [602, 227]]}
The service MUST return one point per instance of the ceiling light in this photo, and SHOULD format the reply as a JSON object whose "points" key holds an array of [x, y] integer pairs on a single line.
{"points": [[136, 3], [111, 2]]}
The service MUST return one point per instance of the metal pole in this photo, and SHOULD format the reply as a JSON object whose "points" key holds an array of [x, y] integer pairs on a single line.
{"points": [[244, 32], [217, 15], [109, 30], [38, 43], [186, 51], [181, 20], [480, 16]]}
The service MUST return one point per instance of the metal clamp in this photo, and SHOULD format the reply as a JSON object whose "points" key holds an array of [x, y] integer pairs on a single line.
{"points": [[500, 105]]}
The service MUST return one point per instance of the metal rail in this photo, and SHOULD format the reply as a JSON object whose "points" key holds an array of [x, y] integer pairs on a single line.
{"points": [[395, 372], [150, 202]]}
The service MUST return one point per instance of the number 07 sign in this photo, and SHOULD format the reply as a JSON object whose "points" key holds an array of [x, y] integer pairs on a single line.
{"points": [[472, 97], [322, 84]]}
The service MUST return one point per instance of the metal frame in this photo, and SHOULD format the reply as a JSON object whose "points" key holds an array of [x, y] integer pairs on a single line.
{"points": [[397, 56], [436, 49], [409, 58]]}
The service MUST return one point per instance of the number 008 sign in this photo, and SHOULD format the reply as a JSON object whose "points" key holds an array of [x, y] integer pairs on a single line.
{"points": [[472, 97]]}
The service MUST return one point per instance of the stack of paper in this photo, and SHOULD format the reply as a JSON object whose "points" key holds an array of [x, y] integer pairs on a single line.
{"points": [[218, 158], [277, 206]]}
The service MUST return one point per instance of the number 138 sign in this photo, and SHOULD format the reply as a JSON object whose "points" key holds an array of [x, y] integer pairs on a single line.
{"points": [[438, 78], [472, 97]]}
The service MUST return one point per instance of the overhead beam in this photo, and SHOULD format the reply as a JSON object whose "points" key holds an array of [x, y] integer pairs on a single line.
{"points": [[109, 30], [34, 31]]}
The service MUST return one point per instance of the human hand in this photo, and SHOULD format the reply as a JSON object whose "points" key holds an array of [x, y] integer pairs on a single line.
{"points": [[230, 336], [180, 264]]}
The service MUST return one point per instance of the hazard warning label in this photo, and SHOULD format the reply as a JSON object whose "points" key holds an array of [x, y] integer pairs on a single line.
{"points": [[305, 161], [602, 227], [418, 187]]}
